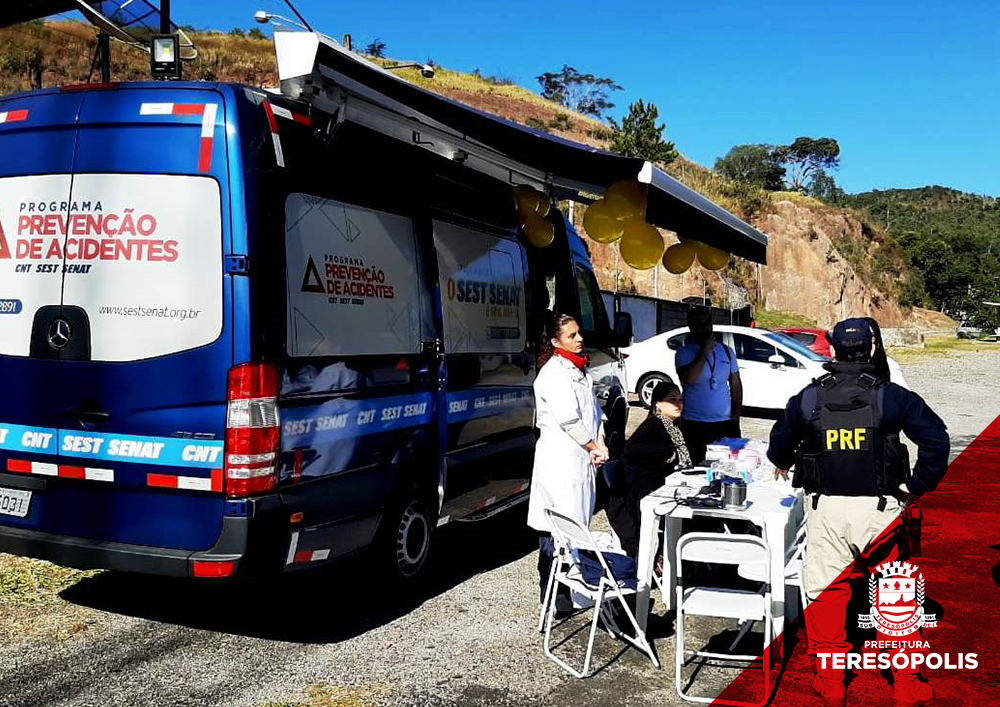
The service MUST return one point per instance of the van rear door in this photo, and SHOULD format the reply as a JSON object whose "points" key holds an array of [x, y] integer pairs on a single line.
{"points": [[142, 340], [37, 141]]}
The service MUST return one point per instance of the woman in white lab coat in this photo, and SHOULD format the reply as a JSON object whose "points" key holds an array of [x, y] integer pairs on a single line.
{"points": [[571, 443]]}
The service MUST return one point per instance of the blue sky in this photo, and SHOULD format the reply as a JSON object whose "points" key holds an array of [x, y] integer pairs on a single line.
{"points": [[908, 88]]}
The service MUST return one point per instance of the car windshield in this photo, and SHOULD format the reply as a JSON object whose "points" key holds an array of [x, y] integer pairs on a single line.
{"points": [[795, 346]]}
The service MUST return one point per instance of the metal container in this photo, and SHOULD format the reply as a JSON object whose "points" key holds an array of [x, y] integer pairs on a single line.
{"points": [[734, 493]]}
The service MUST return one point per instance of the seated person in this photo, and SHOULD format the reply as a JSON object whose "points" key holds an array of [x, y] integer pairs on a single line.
{"points": [[655, 450]]}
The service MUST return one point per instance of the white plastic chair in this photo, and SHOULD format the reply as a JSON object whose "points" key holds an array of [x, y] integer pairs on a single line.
{"points": [[594, 582], [741, 604], [793, 566]]}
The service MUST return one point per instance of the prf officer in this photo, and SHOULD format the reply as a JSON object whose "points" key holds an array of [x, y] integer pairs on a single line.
{"points": [[842, 432]]}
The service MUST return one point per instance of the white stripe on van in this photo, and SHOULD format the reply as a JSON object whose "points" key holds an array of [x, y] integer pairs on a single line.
{"points": [[99, 474], [156, 109], [208, 120], [279, 156]]}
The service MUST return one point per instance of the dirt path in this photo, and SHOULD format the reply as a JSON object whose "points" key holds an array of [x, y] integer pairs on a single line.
{"points": [[468, 639]]}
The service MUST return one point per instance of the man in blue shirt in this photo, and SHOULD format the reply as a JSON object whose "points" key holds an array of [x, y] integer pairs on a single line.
{"points": [[713, 392]]}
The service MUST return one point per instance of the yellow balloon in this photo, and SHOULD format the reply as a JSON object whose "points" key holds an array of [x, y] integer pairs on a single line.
{"points": [[642, 245], [538, 231], [678, 258], [627, 199], [712, 258], [600, 224], [624, 209], [629, 189], [531, 201]]}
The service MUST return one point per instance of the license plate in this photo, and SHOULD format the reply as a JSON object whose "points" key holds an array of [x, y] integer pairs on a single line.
{"points": [[14, 502]]}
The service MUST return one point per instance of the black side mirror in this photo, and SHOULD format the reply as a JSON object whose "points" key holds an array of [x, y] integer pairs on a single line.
{"points": [[623, 329]]}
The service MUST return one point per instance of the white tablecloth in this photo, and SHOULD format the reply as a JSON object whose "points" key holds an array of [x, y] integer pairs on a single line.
{"points": [[773, 506]]}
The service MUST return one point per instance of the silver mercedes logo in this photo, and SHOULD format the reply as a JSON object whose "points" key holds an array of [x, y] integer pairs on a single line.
{"points": [[59, 333]]}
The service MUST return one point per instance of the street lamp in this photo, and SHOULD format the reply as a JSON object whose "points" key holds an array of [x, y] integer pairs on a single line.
{"points": [[264, 17], [426, 70]]}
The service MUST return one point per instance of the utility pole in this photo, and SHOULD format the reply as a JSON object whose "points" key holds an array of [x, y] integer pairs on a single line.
{"points": [[104, 49]]}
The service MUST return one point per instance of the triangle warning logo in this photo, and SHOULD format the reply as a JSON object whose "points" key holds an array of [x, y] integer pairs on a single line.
{"points": [[4, 248], [311, 281]]}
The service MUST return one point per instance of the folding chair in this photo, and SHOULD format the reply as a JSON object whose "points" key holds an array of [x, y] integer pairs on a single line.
{"points": [[741, 604], [594, 581], [793, 565]]}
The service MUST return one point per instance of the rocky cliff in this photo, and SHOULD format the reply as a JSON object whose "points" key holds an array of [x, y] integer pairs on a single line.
{"points": [[808, 270], [808, 274]]}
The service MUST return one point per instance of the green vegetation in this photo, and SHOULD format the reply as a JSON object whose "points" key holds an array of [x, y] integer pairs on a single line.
{"points": [[951, 240], [30, 605], [560, 122], [802, 165], [753, 164], [584, 93], [941, 346], [807, 158], [376, 48], [640, 136], [54, 53], [776, 319], [25, 581]]}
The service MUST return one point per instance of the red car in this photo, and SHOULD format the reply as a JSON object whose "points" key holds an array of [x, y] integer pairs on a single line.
{"points": [[815, 339]]}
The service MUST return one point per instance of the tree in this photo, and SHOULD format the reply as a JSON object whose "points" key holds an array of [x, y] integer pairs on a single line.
{"points": [[584, 93], [237, 32], [376, 48], [824, 187], [255, 33], [640, 136], [806, 155], [756, 164]]}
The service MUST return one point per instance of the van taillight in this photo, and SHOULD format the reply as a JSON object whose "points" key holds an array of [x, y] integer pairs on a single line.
{"points": [[253, 432]]}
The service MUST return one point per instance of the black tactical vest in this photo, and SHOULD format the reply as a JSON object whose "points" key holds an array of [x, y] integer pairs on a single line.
{"points": [[847, 452]]}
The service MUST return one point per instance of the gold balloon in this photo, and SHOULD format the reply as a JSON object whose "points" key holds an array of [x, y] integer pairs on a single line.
{"points": [[600, 224], [712, 258], [624, 209], [538, 231], [642, 245], [679, 258], [629, 189], [627, 199], [531, 201]]}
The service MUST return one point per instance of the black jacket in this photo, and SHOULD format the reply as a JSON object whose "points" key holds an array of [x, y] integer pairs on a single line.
{"points": [[646, 466], [902, 410]]}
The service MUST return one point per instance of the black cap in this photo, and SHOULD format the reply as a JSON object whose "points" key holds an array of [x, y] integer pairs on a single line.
{"points": [[852, 333]]}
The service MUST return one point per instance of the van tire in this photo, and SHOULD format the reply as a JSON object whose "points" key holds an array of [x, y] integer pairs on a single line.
{"points": [[403, 540]]}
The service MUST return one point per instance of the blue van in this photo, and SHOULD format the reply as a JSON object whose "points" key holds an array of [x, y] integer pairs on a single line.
{"points": [[237, 335]]}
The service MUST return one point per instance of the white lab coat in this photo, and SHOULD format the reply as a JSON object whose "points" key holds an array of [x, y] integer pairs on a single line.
{"points": [[568, 415]]}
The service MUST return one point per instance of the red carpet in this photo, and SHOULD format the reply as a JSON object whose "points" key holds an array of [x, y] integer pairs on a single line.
{"points": [[961, 566]]}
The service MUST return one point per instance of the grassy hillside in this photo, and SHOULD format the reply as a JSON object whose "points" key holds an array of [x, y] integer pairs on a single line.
{"points": [[952, 243], [53, 53]]}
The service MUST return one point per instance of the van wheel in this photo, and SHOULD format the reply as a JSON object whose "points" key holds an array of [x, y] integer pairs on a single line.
{"points": [[646, 385], [404, 537]]}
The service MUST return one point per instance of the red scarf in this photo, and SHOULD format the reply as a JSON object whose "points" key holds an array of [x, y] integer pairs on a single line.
{"points": [[578, 361]]}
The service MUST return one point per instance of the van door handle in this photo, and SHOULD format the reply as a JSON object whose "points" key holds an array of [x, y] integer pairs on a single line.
{"points": [[87, 415]]}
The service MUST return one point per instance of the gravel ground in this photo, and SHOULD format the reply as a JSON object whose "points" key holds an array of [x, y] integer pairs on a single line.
{"points": [[468, 638]]}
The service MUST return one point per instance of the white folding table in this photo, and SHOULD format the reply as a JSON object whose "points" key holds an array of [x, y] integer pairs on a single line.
{"points": [[773, 506]]}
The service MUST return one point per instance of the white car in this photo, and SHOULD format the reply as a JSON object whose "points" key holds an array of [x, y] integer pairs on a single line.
{"points": [[773, 366]]}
